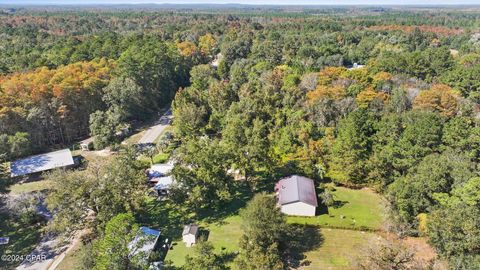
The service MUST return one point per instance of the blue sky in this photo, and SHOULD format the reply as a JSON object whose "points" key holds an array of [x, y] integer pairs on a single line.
{"points": [[266, 2]]}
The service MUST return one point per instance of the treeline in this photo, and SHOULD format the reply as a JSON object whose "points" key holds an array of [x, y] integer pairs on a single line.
{"points": [[34, 40], [46, 107], [58, 106]]}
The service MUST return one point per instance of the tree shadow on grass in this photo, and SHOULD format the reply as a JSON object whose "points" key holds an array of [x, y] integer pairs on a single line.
{"points": [[338, 204], [242, 196], [321, 209], [203, 233], [226, 257], [299, 240], [163, 216]]}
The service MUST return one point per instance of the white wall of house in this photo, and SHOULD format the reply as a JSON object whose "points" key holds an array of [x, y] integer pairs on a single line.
{"points": [[298, 209], [189, 239]]}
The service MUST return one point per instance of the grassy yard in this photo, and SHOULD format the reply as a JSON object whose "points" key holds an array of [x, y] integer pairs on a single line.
{"points": [[23, 238], [338, 249], [323, 247], [334, 247], [224, 236], [355, 209], [30, 187], [161, 158], [72, 259]]}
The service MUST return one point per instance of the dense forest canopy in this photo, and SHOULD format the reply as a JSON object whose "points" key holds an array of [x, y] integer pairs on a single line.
{"points": [[381, 97]]}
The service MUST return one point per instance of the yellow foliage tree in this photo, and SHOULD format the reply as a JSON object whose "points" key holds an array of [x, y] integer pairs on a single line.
{"points": [[326, 92], [382, 77], [439, 98], [187, 48], [207, 44], [368, 95], [329, 74]]}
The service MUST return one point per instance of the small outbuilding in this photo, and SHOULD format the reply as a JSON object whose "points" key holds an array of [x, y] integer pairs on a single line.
{"points": [[145, 242], [40, 163], [356, 66], [216, 61], [190, 234], [296, 196], [159, 175], [4, 240]]}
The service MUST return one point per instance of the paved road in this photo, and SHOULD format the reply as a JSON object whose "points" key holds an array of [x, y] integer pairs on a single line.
{"points": [[43, 255], [153, 132], [48, 248]]}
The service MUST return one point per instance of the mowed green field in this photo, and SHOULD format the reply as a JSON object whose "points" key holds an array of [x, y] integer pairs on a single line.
{"points": [[356, 209], [338, 249], [224, 236], [338, 246]]}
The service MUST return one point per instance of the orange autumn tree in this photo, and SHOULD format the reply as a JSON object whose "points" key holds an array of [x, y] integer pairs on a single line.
{"points": [[368, 95], [329, 74], [53, 105], [326, 92], [382, 76], [439, 98], [187, 48]]}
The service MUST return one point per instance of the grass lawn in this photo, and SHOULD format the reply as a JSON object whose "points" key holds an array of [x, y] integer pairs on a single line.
{"points": [[160, 158], [338, 249], [224, 236], [355, 209], [30, 187], [23, 238], [134, 138], [73, 259], [336, 246]]}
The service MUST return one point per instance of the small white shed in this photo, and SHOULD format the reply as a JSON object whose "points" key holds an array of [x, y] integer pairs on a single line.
{"points": [[296, 196], [190, 234]]}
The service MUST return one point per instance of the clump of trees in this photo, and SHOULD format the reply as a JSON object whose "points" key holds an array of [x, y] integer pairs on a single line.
{"points": [[408, 138], [44, 107], [264, 229], [204, 257], [90, 198]]}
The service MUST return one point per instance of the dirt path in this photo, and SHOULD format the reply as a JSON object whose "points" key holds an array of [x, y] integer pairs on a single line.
{"points": [[76, 239]]}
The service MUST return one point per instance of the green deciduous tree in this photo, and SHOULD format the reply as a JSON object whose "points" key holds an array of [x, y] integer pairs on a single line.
{"points": [[201, 173], [414, 193], [89, 198], [351, 148], [115, 249], [204, 258], [454, 227], [264, 227]]}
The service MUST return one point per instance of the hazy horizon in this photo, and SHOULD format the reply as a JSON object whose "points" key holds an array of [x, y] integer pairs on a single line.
{"points": [[244, 2]]}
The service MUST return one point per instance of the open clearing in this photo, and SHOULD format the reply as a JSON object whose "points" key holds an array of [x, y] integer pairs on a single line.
{"points": [[338, 249], [355, 209], [30, 187], [337, 246]]}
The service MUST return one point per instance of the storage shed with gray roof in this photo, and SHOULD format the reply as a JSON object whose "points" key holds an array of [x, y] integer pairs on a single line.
{"points": [[296, 196], [41, 163]]}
